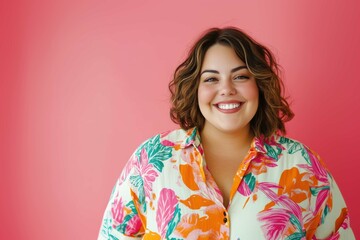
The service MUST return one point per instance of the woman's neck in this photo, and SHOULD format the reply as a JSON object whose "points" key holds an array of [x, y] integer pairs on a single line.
{"points": [[213, 138]]}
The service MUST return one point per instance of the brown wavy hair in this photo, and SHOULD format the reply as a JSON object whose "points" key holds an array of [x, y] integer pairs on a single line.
{"points": [[273, 110]]}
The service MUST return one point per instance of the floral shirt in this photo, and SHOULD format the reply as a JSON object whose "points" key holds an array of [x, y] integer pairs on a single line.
{"points": [[281, 191]]}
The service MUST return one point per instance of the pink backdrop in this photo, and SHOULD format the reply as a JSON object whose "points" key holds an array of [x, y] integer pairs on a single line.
{"points": [[84, 82]]}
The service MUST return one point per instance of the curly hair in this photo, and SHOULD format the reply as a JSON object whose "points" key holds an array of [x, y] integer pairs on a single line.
{"points": [[273, 110]]}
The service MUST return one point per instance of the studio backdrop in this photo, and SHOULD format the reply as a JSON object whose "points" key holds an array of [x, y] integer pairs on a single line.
{"points": [[83, 83]]}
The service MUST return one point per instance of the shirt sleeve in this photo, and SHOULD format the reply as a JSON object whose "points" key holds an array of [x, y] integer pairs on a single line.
{"points": [[124, 214], [335, 223]]}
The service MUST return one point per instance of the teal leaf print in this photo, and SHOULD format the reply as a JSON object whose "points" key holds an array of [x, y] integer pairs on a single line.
{"points": [[113, 237], [295, 221], [122, 227], [138, 182], [315, 190], [250, 181], [325, 213], [156, 152], [291, 145], [305, 155], [131, 205], [157, 164], [295, 147], [296, 236], [174, 221], [106, 227], [247, 185], [283, 140], [273, 153]]}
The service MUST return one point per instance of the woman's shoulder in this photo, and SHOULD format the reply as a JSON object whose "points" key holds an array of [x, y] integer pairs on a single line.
{"points": [[289, 144], [290, 154], [176, 138], [280, 145]]}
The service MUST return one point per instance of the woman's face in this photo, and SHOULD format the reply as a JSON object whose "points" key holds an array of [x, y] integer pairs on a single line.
{"points": [[228, 96]]}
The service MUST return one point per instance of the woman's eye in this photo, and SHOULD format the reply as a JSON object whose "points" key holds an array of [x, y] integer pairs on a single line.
{"points": [[241, 77], [210, 80]]}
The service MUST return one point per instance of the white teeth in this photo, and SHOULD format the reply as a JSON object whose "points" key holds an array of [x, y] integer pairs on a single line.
{"points": [[229, 106]]}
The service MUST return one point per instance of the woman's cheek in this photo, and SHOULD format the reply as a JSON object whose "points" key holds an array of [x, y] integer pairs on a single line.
{"points": [[250, 91]]}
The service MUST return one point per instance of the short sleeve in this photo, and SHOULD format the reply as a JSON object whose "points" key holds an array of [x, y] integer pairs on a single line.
{"points": [[124, 214], [335, 223]]}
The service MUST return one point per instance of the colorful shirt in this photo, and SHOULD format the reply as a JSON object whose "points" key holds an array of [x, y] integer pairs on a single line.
{"points": [[281, 191]]}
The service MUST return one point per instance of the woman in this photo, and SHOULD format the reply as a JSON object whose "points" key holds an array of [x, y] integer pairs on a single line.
{"points": [[228, 172]]}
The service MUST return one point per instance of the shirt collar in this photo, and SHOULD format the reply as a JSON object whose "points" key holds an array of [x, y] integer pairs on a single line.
{"points": [[184, 138], [181, 138]]}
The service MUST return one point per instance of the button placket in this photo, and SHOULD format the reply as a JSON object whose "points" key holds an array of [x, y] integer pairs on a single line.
{"points": [[226, 218], [210, 186]]}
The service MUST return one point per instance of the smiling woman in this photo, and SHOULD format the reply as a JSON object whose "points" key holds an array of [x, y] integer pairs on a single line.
{"points": [[227, 96], [229, 172]]}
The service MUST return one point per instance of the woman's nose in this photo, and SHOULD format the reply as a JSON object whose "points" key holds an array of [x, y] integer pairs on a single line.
{"points": [[227, 88]]}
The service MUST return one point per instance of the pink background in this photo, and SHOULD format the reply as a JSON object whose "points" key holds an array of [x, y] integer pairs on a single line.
{"points": [[83, 83]]}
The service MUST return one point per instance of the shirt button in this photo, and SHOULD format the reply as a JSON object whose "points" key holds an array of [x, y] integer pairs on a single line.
{"points": [[225, 220], [224, 213]]}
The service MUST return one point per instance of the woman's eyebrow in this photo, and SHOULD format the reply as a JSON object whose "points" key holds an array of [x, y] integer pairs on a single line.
{"points": [[238, 68], [214, 71]]}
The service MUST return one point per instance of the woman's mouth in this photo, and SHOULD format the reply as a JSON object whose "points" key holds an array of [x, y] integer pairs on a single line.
{"points": [[228, 107]]}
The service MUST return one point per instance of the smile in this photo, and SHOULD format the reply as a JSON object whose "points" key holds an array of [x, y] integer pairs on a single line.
{"points": [[228, 106]]}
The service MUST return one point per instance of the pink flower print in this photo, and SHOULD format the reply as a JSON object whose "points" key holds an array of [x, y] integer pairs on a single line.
{"points": [[133, 226], [147, 172], [117, 211], [281, 200], [275, 222], [166, 207], [129, 165], [317, 168]]}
